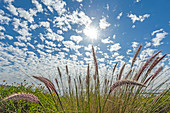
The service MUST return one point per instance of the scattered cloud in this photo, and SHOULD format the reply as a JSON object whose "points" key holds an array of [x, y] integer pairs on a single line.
{"points": [[140, 18], [154, 32], [2, 28], [103, 23], [57, 5], [128, 52], [38, 38], [19, 44], [88, 48], [135, 44], [115, 47], [160, 35], [133, 26], [12, 9], [107, 7], [106, 41], [77, 39], [114, 36], [146, 53], [45, 24], [76, 18], [4, 19], [138, 0], [148, 44], [38, 5], [8, 1], [71, 45], [120, 14], [79, 0], [25, 14], [9, 37]]}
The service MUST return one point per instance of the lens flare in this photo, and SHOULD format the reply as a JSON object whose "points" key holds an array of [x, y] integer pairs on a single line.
{"points": [[91, 32]]}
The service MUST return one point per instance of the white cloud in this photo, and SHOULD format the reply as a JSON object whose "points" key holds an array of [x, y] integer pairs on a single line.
{"points": [[50, 43], [106, 41], [79, 0], [119, 58], [41, 37], [57, 5], [19, 23], [49, 51], [45, 24], [107, 7], [103, 23], [156, 31], [66, 49], [25, 14], [88, 54], [59, 32], [24, 32], [8, 1], [53, 36], [69, 44], [114, 36], [19, 44], [120, 14], [101, 59], [115, 47], [21, 38], [2, 28], [41, 52], [88, 48], [1, 12], [128, 52], [146, 53], [9, 37], [138, 0], [4, 19], [115, 54], [74, 57], [34, 26], [32, 46], [78, 18], [38, 5], [148, 44], [12, 9], [134, 18], [60, 38], [106, 55], [133, 26], [160, 35], [77, 39], [40, 46], [135, 44]]}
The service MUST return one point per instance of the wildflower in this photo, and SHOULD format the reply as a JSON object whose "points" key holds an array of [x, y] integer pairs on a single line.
{"points": [[18, 83], [4, 80]]}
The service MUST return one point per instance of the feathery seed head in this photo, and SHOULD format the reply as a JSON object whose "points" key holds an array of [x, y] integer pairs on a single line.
{"points": [[23, 96], [124, 82]]}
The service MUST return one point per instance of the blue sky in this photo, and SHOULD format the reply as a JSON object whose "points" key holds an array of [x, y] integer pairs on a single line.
{"points": [[36, 36]]}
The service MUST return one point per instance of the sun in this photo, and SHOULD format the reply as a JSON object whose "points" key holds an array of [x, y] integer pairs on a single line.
{"points": [[91, 32]]}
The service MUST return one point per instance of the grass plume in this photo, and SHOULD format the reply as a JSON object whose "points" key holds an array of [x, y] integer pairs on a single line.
{"points": [[23, 96]]}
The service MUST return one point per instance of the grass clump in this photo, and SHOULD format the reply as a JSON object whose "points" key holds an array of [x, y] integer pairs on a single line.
{"points": [[91, 95]]}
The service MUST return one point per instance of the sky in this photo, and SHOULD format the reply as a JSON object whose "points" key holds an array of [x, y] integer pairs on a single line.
{"points": [[37, 36]]}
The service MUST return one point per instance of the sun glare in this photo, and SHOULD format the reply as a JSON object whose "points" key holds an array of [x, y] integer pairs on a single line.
{"points": [[91, 32]]}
